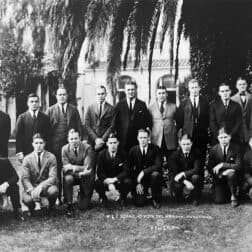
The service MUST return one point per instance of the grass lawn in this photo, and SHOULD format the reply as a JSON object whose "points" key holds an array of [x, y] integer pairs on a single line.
{"points": [[174, 227]]}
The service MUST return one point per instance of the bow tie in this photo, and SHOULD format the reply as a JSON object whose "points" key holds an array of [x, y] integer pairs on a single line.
{"points": [[242, 94]]}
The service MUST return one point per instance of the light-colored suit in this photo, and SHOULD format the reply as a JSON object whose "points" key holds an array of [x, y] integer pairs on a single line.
{"points": [[246, 132], [32, 176], [99, 127], [164, 125]]}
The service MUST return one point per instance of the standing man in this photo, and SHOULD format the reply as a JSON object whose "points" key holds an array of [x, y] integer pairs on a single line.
{"points": [[225, 113], [164, 132], [131, 114], [185, 171], [243, 98], [98, 120], [78, 169], [145, 170], [39, 176], [63, 117], [224, 165], [194, 120], [28, 124], [5, 128], [112, 172]]}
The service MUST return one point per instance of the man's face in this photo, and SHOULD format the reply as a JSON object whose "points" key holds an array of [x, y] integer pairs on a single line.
{"points": [[130, 91], [61, 95], [161, 95], [38, 145], [143, 139], [112, 144], [224, 139], [224, 92], [194, 89], [241, 85], [74, 139], [33, 103], [101, 95], [186, 145]]}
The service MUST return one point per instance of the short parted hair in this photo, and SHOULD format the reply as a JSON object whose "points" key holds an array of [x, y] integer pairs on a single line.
{"points": [[37, 136], [32, 95], [112, 135], [223, 131], [185, 136], [102, 87], [241, 78], [131, 82], [146, 130], [61, 87], [161, 86], [192, 81], [223, 84], [71, 131]]}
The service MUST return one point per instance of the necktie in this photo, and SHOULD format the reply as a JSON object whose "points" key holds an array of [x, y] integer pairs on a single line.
{"points": [[225, 153], [39, 160], [34, 115], [194, 103], [186, 155], [130, 108], [162, 107], [100, 110], [243, 99], [144, 153], [226, 105], [63, 109], [75, 151]]}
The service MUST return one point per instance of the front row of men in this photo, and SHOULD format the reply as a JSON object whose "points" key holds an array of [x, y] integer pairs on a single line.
{"points": [[118, 172]]}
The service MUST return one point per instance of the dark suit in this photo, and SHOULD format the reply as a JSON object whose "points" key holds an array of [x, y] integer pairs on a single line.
{"points": [[151, 165], [230, 119], [99, 127], [27, 126], [190, 166], [5, 128], [223, 185], [247, 166], [9, 174], [108, 167], [127, 124]]}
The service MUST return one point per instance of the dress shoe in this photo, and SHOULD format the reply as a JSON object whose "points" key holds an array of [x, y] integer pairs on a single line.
{"points": [[156, 204], [250, 193], [105, 203], [234, 203], [31, 212], [70, 211], [18, 215], [195, 203], [121, 202], [51, 212]]}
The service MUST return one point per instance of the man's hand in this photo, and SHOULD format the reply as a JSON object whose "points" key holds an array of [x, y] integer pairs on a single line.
{"points": [[179, 176], [84, 173], [189, 186], [108, 181], [228, 171], [20, 156], [139, 189], [35, 194], [140, 177], [111, 187], [99, 143], [67, 168], [3, 187], [217, 168]]}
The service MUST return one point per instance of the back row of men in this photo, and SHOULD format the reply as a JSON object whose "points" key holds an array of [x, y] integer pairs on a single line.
{"points": [[229, 119]]}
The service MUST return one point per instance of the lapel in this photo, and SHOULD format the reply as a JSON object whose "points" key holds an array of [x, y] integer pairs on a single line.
{"points": [[105, 109], [156, 108], [220, 152], [95, 110], [56, 112], [44, 161], [35, 162], [69, 113], [134, 109]]}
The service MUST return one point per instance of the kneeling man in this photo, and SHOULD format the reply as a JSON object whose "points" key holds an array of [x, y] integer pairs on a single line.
{"points": [[224, 164], [185, 171], [145, 170], [78, 169], [39, 176], [112, 172]]}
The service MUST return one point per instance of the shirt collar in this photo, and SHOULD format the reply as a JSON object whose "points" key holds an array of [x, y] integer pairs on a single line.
{"points": [[32, 112], [132, 102], [110, 154], [41, 155], [194, 99], [65, 106]]}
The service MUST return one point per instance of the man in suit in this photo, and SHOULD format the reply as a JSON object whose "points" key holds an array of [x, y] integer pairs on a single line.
{"points": [[164, 132], [131, 114], [28, 124], [78, 169], [185, 171], [112, 172], [9, 186], [243, 98], [98, 120], [39, 176], [225, 113], [63, 117], [5, 128], [224, 164], [194, 120], [145, 164]]}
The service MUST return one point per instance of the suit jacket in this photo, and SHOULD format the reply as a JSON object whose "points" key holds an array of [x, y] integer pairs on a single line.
{"points": [[73, 118], [98, 127], [216, 156], [127, 125], [164, 125], [26, 127], [110, 168], [197, 129], [230, 119], [7, 172], [5, 128], [246, 132], [151, 163], [85, 156], [32, 176], [178, 163], [247, 162]]}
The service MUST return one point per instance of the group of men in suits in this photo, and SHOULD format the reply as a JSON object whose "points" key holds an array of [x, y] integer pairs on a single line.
{"points": [[128, 144]]}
